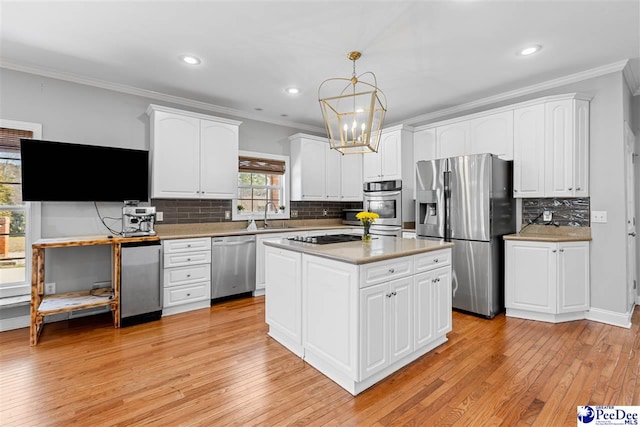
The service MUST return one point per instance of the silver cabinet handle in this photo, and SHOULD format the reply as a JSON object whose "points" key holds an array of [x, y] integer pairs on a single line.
{"points": [[554, 251], [561, 250], [394, 293], [435, 260], [632, 234], [515, 191], [392, 270], [188, 295], [578, 188], [188, 259], [388, 295], [188, 275], [570, 188]]}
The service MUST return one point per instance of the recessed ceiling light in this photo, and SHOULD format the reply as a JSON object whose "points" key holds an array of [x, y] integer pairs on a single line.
{"points": [[292, 90], [191, 60], [529, 50]]}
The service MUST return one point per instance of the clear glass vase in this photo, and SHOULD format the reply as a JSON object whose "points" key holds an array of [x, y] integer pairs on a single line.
{"points": [[366, 236]]}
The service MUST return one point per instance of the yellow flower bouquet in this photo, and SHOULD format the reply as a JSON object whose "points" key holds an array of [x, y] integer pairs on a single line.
{"points": [[366, 219]]}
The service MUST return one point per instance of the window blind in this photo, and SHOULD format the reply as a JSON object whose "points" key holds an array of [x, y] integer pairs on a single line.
{"points": [[257, 165], [10, 138]]}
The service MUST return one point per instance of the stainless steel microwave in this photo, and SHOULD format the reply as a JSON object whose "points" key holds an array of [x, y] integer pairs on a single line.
{"points": [[349, 216]]}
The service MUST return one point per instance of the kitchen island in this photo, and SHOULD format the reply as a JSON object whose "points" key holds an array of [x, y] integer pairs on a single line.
{"points": [[359, 311]]}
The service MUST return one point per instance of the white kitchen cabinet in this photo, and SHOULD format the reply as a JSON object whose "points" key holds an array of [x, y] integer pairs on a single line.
{"points": [[493, 134], [351, 177], [566, 148], [547, 281], [186, 275], [551, 148], [452, 140], [260, 256], [432, 305], [283, 302], [424, 148], [528, 151], [386, 319], [386, 164], [320, 173], [193, 156], [488, 133]]}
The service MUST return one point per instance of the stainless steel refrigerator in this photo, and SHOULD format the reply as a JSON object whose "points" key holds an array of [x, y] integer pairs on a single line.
{"points": [[468, 200]]}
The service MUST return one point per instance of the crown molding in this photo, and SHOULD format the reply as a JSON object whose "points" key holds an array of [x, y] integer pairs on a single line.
{"points": [[528, 90], [74, 78], [631, 78]]}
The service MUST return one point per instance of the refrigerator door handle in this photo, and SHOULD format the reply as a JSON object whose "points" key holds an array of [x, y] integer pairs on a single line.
{"points": [[447, 205]]}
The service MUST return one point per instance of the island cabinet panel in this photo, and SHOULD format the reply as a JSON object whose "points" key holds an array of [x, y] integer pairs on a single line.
{"points": [[284, 297], [357, 322], [330, 322]]}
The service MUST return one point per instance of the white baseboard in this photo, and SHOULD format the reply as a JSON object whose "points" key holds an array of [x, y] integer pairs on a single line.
{"points": [[15, 323], [610, 317]]}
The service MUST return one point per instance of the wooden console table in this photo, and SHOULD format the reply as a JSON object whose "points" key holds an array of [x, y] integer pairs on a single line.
{"points": [[44, 305]]}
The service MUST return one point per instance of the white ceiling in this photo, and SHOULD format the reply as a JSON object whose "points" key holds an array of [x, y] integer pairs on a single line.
{"points": [[427, 55]]}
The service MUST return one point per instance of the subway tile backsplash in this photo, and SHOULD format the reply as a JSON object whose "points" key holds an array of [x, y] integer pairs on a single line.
{"points": [[179, 211], [573, 212]]}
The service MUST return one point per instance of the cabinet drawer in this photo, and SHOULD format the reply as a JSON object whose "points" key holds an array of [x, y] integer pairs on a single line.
{"points": [[383, 271], [187, 258], [431, 260], [186, 294], [186, 275], [186, 245]]}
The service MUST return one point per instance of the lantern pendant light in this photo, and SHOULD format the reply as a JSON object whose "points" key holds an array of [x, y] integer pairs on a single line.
{"points": [[353, 110]]}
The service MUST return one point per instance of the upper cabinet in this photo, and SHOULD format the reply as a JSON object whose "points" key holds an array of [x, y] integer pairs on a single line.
{"points": [[320, 173], [476, 134], [551, 154], [386, 164], [193, 156]]}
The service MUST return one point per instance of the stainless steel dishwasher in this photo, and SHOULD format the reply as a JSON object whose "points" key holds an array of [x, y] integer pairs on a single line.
{"points": [[140, 287], [233, 266]]}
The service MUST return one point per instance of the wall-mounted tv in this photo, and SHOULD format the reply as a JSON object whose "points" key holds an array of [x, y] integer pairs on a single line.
{"points": [[66, 172]]}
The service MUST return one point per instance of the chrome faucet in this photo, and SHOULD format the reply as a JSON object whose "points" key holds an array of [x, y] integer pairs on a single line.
{"points": [[266, 209]]}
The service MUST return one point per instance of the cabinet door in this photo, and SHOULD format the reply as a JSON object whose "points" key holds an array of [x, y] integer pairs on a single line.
{"points": [[332, 174], [175, 153], [424, 148], [401, 318], [423, 308], [391, 149], [573, 277], [351, 177], [218, 160], [530, 278], [452, 140], [374, 329], [372, 165], [559, 149], [492, 134], [283, 302], [309, 170], [260, 257], [528, 151], [443, 301], [581, 148]]}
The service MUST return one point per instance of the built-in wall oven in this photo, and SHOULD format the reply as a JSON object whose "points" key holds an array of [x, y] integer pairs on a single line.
{"points": [[385, 199]]}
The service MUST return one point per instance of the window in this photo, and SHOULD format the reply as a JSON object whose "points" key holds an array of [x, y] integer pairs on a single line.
{"points": [[19, 221], [262, 183]]}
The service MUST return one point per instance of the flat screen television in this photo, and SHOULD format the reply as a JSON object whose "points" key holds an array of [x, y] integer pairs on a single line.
{"points": [[66, 172]]}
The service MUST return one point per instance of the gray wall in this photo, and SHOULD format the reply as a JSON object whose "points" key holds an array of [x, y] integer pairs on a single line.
{"points": [[73, 112]]}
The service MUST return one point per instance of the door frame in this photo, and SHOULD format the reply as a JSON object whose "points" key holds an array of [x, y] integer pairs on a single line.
{"points": [[630, 157]]}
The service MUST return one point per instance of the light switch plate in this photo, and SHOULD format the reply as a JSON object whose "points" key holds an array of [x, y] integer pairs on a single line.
{"points": [[547, 216], [159, 216], [599, 216]]}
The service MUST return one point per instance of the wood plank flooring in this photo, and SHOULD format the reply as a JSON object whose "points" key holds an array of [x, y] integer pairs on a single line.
{"points": [[218, 367]]}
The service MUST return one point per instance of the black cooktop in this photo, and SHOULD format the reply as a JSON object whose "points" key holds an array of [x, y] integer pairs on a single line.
{"points": [[327, 239]]}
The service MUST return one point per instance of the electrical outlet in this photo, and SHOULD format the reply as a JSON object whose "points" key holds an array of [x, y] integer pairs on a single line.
{"points": [[227, 214], [599, 216], [294, 214], [547, 216], [159, 216], [324, 212], [50, 288]]}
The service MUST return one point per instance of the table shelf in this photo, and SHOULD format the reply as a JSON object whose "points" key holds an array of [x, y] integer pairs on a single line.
{"points": [[71, 301]]}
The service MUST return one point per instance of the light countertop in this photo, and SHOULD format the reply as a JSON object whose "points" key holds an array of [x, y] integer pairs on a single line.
{"points": [[546, 233], [379, 249]]}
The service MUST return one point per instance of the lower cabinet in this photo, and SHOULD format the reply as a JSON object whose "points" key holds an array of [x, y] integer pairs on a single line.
{"points": [[358, 324], [547, 281], [187, 275]]}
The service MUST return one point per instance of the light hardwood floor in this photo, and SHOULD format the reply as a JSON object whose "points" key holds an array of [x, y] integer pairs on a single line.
{"points": [[218, 367]]}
